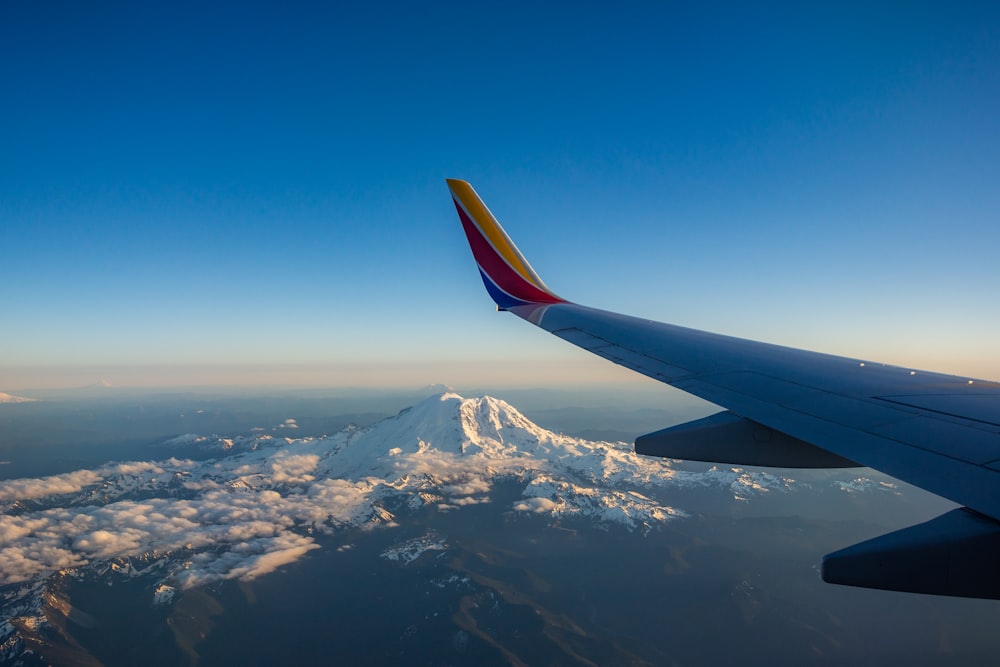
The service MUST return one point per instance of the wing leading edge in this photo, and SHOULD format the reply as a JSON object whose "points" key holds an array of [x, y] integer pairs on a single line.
{"points": [[795, 408]]}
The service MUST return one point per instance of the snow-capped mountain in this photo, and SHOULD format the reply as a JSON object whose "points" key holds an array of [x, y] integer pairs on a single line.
{"points": [[265, 501]]}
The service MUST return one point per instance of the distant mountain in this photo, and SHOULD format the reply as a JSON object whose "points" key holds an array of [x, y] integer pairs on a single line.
{"points": [[263, 501], [8, 398]]}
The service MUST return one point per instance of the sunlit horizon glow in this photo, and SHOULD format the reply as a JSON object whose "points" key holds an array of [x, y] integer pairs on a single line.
{"points": [[554, 374], [548, 373], [196, 196]]}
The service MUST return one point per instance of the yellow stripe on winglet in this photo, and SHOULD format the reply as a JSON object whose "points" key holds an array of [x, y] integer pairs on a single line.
{"points": [[491, 228]]}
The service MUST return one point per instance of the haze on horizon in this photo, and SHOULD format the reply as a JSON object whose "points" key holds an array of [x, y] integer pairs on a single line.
{"points": [[542, 373], [239, 195]]}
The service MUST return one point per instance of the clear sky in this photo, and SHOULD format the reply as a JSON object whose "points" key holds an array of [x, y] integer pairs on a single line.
{"points": [[255, 192]]}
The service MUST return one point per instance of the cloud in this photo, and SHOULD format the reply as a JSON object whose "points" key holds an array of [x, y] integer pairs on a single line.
{"points": [[247, 560], [31, 558], [293, 468], [265, 504], [538, 505], [461, 502], [240, 532], [106, 544], [470, 487], [29, 489], [134, 468]]}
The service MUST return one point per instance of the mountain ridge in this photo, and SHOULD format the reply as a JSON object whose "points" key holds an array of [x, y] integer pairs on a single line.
{"points": [[265, 500]]}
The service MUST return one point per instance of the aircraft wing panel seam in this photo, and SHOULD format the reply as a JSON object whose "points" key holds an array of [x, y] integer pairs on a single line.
{"points": [[581, 339], [631, 359], [992, 426], [871, 449]]}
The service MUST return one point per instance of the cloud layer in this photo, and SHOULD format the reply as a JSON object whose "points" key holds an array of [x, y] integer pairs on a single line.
{"points": [[264, 504]]}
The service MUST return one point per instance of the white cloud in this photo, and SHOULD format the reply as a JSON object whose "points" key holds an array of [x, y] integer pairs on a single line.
{"points": [[29, 489], [249, 513], [461, 502], [467, 488], [538, 505], [135, 468], [249, 528], [293, 468], [247, 560]]}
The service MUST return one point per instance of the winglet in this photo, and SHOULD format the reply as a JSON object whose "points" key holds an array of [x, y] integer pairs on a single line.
{"points": [[508, 277]]}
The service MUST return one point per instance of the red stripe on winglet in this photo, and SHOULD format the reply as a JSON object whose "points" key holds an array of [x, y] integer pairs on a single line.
{"points": [[497, 269]]}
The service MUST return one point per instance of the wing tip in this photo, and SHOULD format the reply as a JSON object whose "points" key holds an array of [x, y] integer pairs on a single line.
{"points": [[508, 277]]}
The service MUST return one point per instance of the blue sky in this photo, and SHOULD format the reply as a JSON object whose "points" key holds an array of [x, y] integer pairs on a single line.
{"points": [[255, 192]]}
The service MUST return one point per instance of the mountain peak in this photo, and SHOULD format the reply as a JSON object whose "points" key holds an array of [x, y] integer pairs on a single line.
{"points": [[448, 422], [262, 507]]}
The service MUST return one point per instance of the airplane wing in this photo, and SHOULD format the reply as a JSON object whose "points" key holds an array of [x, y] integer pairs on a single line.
{"points": [[795, 408]]}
